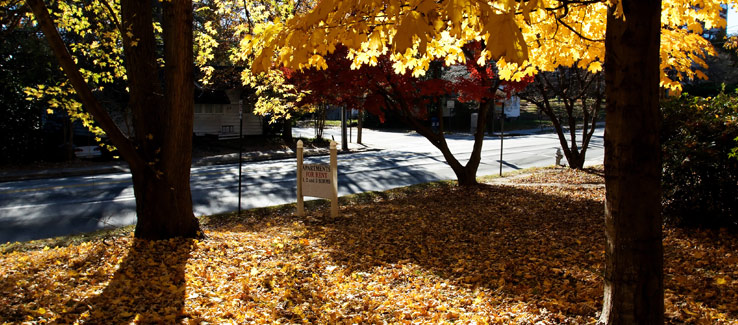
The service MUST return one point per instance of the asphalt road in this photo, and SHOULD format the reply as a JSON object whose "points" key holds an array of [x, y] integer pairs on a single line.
{"points": [[52, 207]]}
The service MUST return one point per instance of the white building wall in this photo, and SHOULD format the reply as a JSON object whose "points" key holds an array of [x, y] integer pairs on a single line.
{"points": [[222, 120]]}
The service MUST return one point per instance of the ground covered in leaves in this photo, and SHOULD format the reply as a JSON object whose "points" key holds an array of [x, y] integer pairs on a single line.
{"points": [[500, 254]]}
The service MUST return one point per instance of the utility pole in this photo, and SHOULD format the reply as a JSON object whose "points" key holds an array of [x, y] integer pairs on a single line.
{"points": [[240, 150], [502, 134], [344, 139]]}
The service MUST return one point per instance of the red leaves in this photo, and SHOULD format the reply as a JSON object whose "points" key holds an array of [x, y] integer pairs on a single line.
{"points": [[378, 88], [373, 104]]}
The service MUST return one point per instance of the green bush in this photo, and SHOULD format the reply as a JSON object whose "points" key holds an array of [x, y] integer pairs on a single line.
{"points": [[700, 179]]}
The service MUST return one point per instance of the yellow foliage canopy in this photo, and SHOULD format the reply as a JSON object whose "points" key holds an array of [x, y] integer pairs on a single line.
{"points": [[524, 36], [411, 30], [230, 27]]}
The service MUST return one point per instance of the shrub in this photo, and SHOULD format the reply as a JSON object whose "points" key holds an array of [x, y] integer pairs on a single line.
{"points": [[700, 180]]}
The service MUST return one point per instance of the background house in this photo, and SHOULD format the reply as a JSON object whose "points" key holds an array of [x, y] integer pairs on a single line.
{"points": [[216, 114]]}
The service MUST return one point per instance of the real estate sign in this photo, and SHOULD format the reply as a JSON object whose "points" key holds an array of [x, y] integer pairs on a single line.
{"points": [[317, 180]]}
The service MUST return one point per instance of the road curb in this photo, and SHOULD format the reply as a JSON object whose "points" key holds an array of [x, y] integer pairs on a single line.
{"points": [[122, 167]]}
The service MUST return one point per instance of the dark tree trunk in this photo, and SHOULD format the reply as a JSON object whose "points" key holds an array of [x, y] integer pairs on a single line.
{"points": [[634, 253], [466, 175], [160, 154], [164, 119], [287, 131], [359, 126], [575, 159], [162, 206]]}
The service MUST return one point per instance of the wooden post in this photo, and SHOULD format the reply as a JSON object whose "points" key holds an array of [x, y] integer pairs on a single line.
{"points": [[334, 180], [300, 202]]}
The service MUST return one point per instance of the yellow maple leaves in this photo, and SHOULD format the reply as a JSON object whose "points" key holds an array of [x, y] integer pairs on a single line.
{"points": [[525, 36], [429, 254], [233, 27], [101, 51], [408, 30]]}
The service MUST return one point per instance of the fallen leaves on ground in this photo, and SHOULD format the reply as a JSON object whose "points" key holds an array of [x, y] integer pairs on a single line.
{"points": [[592, 175], [487, 254]]}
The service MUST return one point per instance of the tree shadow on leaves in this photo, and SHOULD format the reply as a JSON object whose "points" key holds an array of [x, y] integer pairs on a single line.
{"points": [[699, 272], [537, 246], [148, 287], [22, 283]]}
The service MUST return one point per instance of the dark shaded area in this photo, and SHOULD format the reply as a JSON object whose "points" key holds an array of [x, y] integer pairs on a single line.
{"points": [[709, 89], [150, 283], [501, 237], [15, 286], [700, 183], [509, 240], [25, 61], [524, 244]]}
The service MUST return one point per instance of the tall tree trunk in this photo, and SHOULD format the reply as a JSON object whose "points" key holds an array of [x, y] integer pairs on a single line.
{"points": [[161, 152], [164, 119], [634, 253], [163, 206]]}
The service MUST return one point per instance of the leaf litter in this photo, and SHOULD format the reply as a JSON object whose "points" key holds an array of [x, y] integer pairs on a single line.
{"points": [[491, 254]]}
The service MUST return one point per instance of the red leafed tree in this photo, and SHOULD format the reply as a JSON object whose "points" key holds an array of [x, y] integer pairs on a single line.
{"points": [[378, 89]]}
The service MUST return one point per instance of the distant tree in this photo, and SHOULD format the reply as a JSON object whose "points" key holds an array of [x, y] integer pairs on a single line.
{"points": [[379, 88], [582, 95], [220, 28]]}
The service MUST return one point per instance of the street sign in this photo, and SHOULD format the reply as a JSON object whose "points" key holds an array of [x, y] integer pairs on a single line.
{"points": [[512, 106]]}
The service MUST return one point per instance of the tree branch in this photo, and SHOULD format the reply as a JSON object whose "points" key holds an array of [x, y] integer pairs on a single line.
{"points": [[92, 105], [559, 19]]}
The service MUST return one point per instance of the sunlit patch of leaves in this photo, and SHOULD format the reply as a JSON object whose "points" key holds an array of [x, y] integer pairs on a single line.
{"points": [[429, 254], [591, 175]]}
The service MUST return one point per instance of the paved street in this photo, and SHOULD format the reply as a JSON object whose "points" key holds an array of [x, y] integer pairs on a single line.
{"points": [[51, 207]]}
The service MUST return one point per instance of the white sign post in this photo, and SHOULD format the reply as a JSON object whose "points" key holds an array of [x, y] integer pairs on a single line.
{"points": [[317, 180]]}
